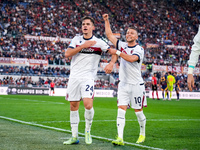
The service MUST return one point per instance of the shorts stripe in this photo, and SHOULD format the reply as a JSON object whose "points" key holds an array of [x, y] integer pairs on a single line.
{"points": [[143, 101]]}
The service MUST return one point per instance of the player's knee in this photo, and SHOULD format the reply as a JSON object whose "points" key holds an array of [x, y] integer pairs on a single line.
{"points": [[88, 103], [138, 110], [74, 106], [88, 106], [123, 107]]}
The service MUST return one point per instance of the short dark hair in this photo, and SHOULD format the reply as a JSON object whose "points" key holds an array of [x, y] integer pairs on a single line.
{"points": [[133, 28], [88, 17], [170, 72]]}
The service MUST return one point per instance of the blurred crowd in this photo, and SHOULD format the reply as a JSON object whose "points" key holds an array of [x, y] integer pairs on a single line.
{"points": [[161, 23], [34, 71], [60, 82], [158, 22], [22, 77]]}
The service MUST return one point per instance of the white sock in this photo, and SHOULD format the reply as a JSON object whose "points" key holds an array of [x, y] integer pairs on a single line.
{"points": [[89, 114], [142, 121], [120, 122], [74, 120]]}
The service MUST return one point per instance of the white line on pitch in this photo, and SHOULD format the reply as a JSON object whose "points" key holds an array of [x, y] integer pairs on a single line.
{"points": [[128, 120], [59, 129], [32, 100]]}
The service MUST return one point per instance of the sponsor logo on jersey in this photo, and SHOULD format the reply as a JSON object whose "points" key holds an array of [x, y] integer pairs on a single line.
{"points": [[91, 50]]}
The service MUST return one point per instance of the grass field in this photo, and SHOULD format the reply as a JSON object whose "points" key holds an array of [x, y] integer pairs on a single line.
{"points": [[42, 122]]}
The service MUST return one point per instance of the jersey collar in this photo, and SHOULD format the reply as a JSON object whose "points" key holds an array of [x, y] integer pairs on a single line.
{"points": [[88, 38], [132, 46]]}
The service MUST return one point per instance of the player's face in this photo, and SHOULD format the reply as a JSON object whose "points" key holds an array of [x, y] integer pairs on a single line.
{"points": [[87, 26], [131, 35]]}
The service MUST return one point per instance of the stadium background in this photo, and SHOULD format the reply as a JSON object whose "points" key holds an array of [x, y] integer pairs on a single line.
{"points": [[29, 29], [34, 35]]}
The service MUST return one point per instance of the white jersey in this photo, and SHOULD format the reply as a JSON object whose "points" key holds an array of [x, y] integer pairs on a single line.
{"points": [[85, 63], [130, 72]]}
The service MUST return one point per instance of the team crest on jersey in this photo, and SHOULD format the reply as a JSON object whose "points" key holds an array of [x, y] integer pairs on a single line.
{"points": [[131, 51]]}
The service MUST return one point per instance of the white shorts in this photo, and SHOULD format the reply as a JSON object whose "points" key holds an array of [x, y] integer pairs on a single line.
{"points": [[80, 88], [132, 94]]}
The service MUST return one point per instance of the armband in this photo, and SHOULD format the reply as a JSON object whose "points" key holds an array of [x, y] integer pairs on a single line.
{"points": [[118, 53]]}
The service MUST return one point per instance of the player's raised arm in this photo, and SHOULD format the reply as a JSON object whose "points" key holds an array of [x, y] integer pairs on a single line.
{"points": [[73, 51], [108, 30]]}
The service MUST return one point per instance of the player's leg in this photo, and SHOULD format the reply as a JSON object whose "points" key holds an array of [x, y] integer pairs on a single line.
{"points": [[74, 96], [121, 112], [177, 92], [89, 114], [87, 92], [157, 94], [153, 92], [123, 101], [74, 118], [170, 90], [142, 122], [74, 121], [163, 93], [138, 100], [167, 93]]}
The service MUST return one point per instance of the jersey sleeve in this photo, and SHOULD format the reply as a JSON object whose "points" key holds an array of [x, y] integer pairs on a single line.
{"points": [[120, 45], [104, 46], [195, 51], [139, 51], [73, 42]]}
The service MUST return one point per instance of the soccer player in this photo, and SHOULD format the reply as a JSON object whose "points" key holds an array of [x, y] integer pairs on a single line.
{"points": [[131, 86], [86, 52], [170, 82], [163, 83], [177, 86], [52, 85], [194, 57], [154, 86]]}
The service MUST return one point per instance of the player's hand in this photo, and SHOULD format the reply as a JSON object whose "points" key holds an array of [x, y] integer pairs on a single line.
{"points": [[105, 17], [190, 81], [108, 69], [112, 51], [88, 44]]}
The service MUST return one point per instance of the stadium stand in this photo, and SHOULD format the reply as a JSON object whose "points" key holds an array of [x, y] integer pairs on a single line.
{"points": [[166, 29]]}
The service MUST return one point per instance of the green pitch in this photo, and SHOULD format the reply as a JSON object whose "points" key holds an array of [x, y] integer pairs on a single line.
{"points": [[42, 122]]}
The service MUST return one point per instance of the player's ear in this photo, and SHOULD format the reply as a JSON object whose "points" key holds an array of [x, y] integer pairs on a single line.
{"points": [[93, 28]]}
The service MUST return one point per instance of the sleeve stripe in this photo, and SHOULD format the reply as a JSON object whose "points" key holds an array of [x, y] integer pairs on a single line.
{"points": [[70, 47], [138, 56], [117, 44]]}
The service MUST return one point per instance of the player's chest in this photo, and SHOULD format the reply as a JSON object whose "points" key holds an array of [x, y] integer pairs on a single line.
{"points": [[127, 50]]}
